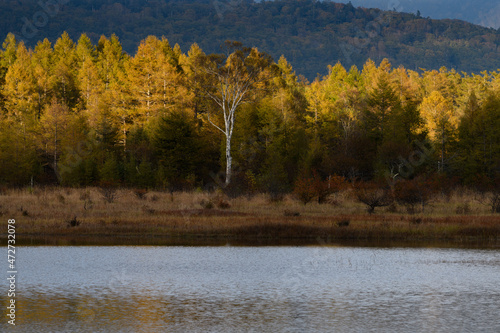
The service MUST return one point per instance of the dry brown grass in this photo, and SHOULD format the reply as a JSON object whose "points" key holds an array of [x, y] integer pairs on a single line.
{"points": [[52, 211]]}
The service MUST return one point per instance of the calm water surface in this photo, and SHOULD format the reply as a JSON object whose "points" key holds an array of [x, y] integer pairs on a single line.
{"points": [[255, 289]]}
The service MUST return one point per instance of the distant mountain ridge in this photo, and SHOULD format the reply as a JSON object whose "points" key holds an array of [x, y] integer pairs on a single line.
{"points": [[310, 34], [482, 12]]}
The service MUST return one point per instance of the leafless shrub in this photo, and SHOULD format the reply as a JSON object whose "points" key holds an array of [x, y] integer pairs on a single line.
{"points": [[291, 213], [463, 209], [217, 200], [276, 196], [61, 198], [85, 195], [415, 220], [140, 193], [23, 211], [495, 202], [148, 210], [490, 199], [334, 202], [392, 208], [109, 194], [206, 204], [3, 190], [37, 192], [73, 222], [373, 196], [223, 204], [88, 204], [343, 223]]}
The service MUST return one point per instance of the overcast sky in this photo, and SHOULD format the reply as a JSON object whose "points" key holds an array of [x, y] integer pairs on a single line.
{"points": [[483, 12]]}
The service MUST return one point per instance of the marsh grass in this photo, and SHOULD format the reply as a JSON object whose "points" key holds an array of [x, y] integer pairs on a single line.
{"points": [[42, 213]]}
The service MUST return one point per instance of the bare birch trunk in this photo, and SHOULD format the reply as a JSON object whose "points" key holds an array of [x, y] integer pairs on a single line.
{"points": [[55, 151], [228, 160]]}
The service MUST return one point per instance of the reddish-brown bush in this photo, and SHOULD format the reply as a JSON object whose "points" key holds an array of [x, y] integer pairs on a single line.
{"points": [[307, 188], [413, 193], [373, 195]]}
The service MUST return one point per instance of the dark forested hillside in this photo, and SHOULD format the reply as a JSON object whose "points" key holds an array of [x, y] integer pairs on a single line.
{"points": [[482, 12], [310, 34]]}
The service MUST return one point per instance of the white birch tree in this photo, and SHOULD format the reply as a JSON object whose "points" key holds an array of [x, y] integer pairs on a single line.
{"points": [[229, 80]]}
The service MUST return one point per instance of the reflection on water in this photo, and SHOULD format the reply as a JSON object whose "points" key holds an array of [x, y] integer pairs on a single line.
{"points": [[242, 289]]}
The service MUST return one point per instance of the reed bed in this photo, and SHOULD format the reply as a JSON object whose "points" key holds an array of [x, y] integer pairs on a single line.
{"points": [[133, 214]]}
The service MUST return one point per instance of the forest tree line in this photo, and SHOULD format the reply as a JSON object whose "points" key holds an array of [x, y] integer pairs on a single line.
{"points": [[80, 114]]}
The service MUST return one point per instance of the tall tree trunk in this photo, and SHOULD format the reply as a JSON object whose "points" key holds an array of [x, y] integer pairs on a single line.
{"points": [[124, 135], [55, 150], [442, 152], [228, 159]]}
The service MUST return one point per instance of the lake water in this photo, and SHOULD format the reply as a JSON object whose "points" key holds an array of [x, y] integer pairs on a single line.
{"points": [[255, 289]]}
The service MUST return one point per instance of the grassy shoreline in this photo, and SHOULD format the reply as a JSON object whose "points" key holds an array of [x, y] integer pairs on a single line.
{"points": [[67, 216]]}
